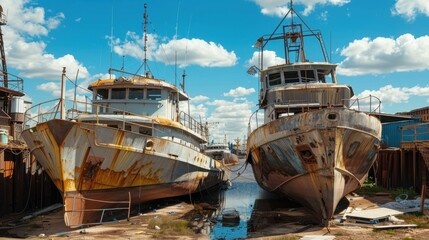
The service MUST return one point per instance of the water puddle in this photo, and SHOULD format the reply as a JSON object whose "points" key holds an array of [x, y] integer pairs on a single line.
{"points": [[258, 210]]}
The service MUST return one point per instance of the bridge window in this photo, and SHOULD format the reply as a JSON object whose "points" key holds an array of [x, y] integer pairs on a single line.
{"points": [[154, 94], [274, 79], [118, 93], [291, 77], [135, 93], [307, 76], [102, 93]]}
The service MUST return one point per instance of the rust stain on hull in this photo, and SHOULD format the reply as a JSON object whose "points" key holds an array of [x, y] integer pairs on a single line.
{"points": [[314, 161], [95, 166]]}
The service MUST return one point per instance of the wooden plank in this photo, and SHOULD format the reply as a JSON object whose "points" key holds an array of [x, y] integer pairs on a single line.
{"points": [[423, 197], [395, 226], [318, 237], [375, 215]]}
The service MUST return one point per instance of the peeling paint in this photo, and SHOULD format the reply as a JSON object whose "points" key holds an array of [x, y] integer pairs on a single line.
{"points": [[101, 163], [315, 164]]}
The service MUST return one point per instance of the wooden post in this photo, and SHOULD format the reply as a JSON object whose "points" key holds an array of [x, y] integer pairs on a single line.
{"points": [[422, 200], [3, 192], [129, 206], [414, 169], [402, 167]]}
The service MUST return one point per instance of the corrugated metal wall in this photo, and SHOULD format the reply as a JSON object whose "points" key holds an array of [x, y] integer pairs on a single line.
{"points": [[391, 134]]}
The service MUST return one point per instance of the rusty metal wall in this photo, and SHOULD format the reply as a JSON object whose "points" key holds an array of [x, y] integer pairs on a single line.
{"points": [[23, 185]]}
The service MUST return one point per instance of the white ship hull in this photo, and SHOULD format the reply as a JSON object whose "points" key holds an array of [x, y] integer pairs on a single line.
{"points": [[98, 167]]}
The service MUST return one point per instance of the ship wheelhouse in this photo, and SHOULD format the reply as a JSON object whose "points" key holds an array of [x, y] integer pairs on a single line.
{"points": [[146, 106], [141, 96], [300, 87]]}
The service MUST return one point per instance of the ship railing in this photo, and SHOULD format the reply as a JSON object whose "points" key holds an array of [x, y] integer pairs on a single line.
{"points": [[253, 120], [119, 206], [13, 82], [415, 133], [370, 104], [99, 113], [189, 122], [281, 109], [50, 110]]}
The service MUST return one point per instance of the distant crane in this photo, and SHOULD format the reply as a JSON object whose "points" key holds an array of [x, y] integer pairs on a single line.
{"points": [[237, 145]]}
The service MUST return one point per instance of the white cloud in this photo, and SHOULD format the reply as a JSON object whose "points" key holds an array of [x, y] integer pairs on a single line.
{"points": [[52, 87], [280, 7], [239, 91], [183, 52], [198, 111], [390, 95], [324, 16], [411, 8], [54, 22], [195, 52], [29, 19], [133, 45], [270, 59], [82, 92], [199, 98], [384, 55], [229, 118], [27, 55]]}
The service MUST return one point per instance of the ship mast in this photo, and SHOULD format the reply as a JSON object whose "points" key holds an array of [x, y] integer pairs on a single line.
{"points": [[3, 55], [292, 37], [145, 38]]}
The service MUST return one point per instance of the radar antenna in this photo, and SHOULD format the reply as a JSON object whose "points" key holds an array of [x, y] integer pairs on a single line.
{"points": [[145, 16]]}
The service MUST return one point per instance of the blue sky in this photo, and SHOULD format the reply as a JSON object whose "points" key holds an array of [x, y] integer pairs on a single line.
{"points": [[381, 47]]}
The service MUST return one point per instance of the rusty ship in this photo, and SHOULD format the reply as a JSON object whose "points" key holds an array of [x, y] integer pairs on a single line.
{"points": [[315, 146], [132, 144]]}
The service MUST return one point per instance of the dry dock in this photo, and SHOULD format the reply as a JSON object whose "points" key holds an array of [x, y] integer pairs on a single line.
{"points": [[262, 216]]}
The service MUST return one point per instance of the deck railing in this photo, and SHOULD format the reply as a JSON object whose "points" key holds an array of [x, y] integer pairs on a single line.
{"points": [[189, 122], [415, 132], [370, 104], [50, 110], [14, 82], [120, 206]]}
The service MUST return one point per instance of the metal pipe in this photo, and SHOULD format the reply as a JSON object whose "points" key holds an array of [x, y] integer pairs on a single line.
{"points": [[63, 90]]}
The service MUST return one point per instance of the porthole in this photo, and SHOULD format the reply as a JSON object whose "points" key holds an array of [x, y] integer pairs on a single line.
{"points": [[332, 116], [149, 145]]}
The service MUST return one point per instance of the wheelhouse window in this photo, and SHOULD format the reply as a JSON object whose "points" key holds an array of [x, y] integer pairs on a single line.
{"points": [[154, 94], [135, 93], [274, 79], [291, 77], [324, 76], [118, 93], [102, 93], [307, 76]]}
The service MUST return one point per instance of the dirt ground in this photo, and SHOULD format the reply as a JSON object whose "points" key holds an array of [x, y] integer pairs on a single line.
{"points": [[51, 226]]}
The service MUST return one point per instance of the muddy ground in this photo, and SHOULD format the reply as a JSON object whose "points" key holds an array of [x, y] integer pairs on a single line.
{"points": [[268, 224]]}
